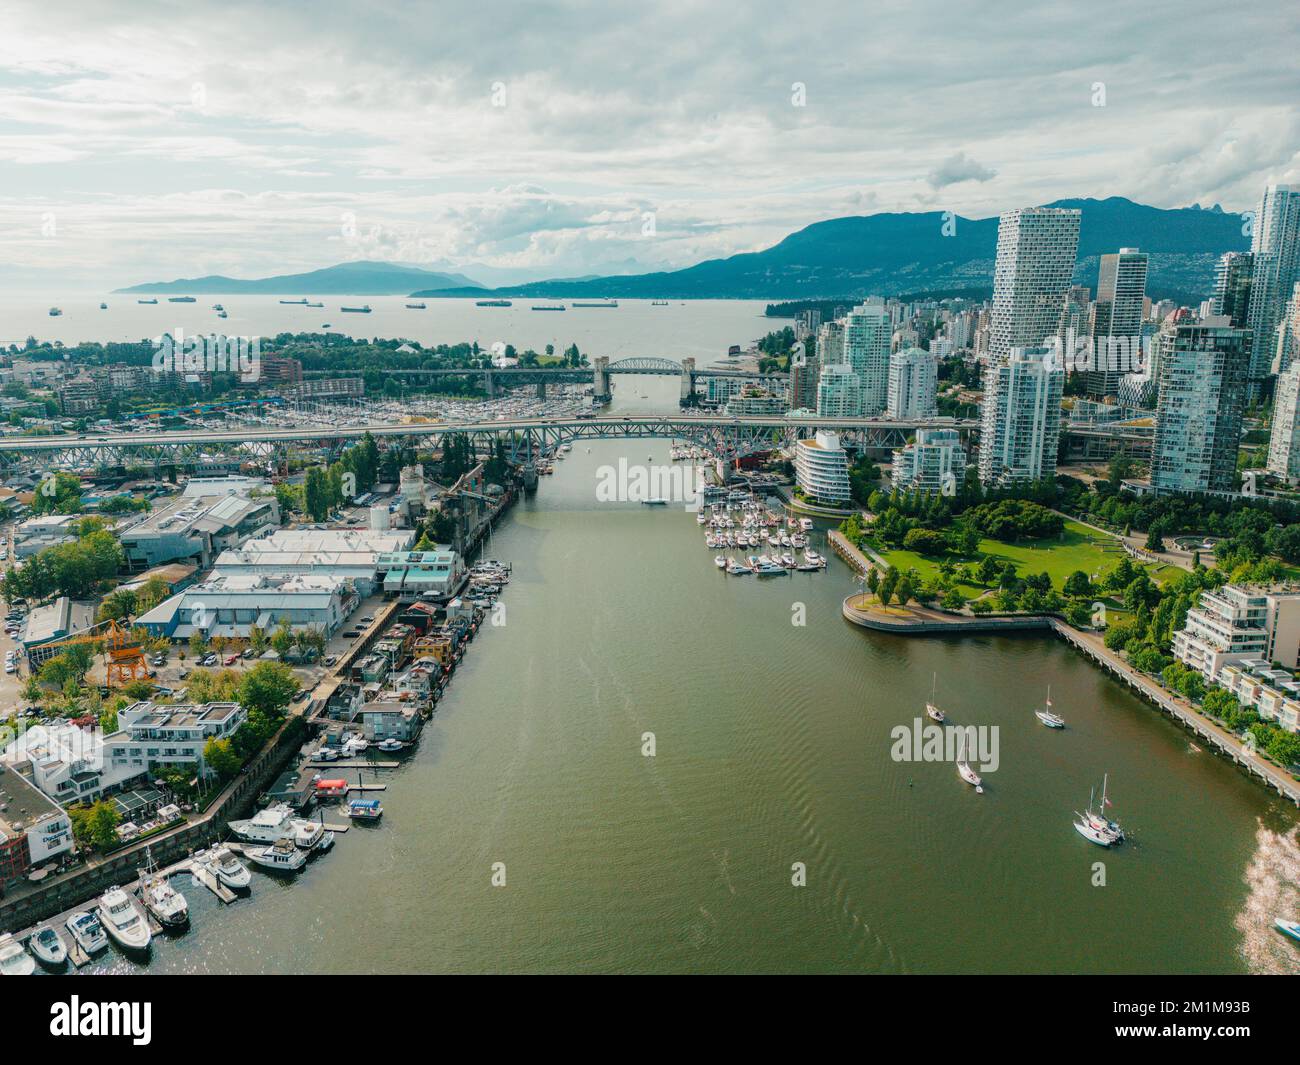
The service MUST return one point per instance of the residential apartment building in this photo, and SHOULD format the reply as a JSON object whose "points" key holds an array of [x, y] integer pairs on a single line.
{"points": [[1275, 245], [839, 392], [1031, 275], [868, 333], [1201, 393], [1020, 417], [934, 462], [1284, 441], [1116, 320], [1234, 623], [821, 469], [913, 384]]}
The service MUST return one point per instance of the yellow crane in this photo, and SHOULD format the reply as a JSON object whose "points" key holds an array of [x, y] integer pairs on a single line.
{"points": [[123, 657]]}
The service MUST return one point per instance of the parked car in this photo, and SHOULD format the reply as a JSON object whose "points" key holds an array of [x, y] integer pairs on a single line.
{"points": [[331, 659], [232, 660]]}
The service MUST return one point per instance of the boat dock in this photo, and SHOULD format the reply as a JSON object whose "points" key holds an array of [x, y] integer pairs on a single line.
{"points": [[315, 763]]}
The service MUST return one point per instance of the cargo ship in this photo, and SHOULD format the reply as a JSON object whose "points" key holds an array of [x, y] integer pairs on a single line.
{"points": [[363, 309], [181, 299], [494, 303], [596, 303]]}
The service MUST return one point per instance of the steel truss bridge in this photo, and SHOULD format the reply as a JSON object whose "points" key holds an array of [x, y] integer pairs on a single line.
{"points": [[598, 374], [525, 438]]}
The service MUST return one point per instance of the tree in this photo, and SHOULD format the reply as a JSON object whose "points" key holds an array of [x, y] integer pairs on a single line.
{"points": [[268, 688], [257, 639], [282, 638], [925, 541], [988, 570], [906, 592], [220, 757], [1078, 585]]}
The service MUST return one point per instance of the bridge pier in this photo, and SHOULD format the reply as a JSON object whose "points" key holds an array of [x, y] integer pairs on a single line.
{"points": [[600, 380], [541, 389], [489, 383], [688, 380]]}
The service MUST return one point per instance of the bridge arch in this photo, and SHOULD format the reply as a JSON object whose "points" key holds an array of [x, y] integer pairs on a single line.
{"points": [[646, 364]]}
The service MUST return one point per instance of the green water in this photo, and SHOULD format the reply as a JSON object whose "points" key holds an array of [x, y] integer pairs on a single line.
{"points": [[772, 747]]}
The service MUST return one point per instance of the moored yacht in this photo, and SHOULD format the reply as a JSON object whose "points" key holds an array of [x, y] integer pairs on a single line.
{"points": [[281, 857], [122, 921], [14, 961], [267, 826], [162, 900], [48, 946], [84, 927], [228, 869], [307, 834]]}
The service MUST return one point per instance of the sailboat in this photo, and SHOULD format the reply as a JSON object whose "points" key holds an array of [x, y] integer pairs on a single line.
{"points": [[930, 708], [1046, 714], [1098, 821], [965, 771]]}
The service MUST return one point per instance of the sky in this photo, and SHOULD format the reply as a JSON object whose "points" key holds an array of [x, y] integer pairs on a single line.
{"points": [[518, 141]]}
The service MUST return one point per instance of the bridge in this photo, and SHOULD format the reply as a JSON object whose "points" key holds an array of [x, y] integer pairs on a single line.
{"points": [[598, 374], [525, 438]]}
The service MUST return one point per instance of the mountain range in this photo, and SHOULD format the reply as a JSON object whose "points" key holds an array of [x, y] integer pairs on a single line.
{"points": [[360, 278], [882, 254]]}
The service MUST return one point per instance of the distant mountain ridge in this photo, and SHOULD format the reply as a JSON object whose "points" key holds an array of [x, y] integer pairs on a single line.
{"points": [[360, 278], [890, 254]]}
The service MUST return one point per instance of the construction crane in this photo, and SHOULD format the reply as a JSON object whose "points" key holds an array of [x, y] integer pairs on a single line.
{"points": [[123, 657]]}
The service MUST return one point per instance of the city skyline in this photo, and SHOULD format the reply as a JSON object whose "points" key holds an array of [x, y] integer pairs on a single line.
{"points": [[333, 141]]}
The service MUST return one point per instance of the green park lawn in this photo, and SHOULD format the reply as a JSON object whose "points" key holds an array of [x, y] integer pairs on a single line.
{"points": [[1077, 548]]}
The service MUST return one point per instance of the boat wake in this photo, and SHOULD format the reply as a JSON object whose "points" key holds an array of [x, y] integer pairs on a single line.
{"points": [[1273, 877]]}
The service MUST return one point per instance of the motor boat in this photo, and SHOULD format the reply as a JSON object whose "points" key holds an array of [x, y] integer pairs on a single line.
{"points": [[1290, 928], [14, 961], [167, 905], [124, 924], [281, 857], [87, 932], [267, 826], [720, 561], [389, 745], [325, 842], [307, 834], [229, 869], [48, 946]]}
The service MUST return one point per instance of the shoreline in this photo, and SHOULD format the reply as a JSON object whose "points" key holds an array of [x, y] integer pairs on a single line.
{"points": [[1093, 648]]}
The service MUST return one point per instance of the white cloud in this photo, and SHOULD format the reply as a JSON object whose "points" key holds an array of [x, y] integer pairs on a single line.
{"points": [[171, 138]]}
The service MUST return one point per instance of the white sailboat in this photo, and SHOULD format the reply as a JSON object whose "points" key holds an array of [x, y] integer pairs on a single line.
{"points": [[1098, 820], [965, 771], [1047, 716], [931, 708], [1091, 833]]}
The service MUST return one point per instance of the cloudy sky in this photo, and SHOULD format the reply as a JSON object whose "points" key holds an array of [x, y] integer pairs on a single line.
{"points": [[157, 140]]}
